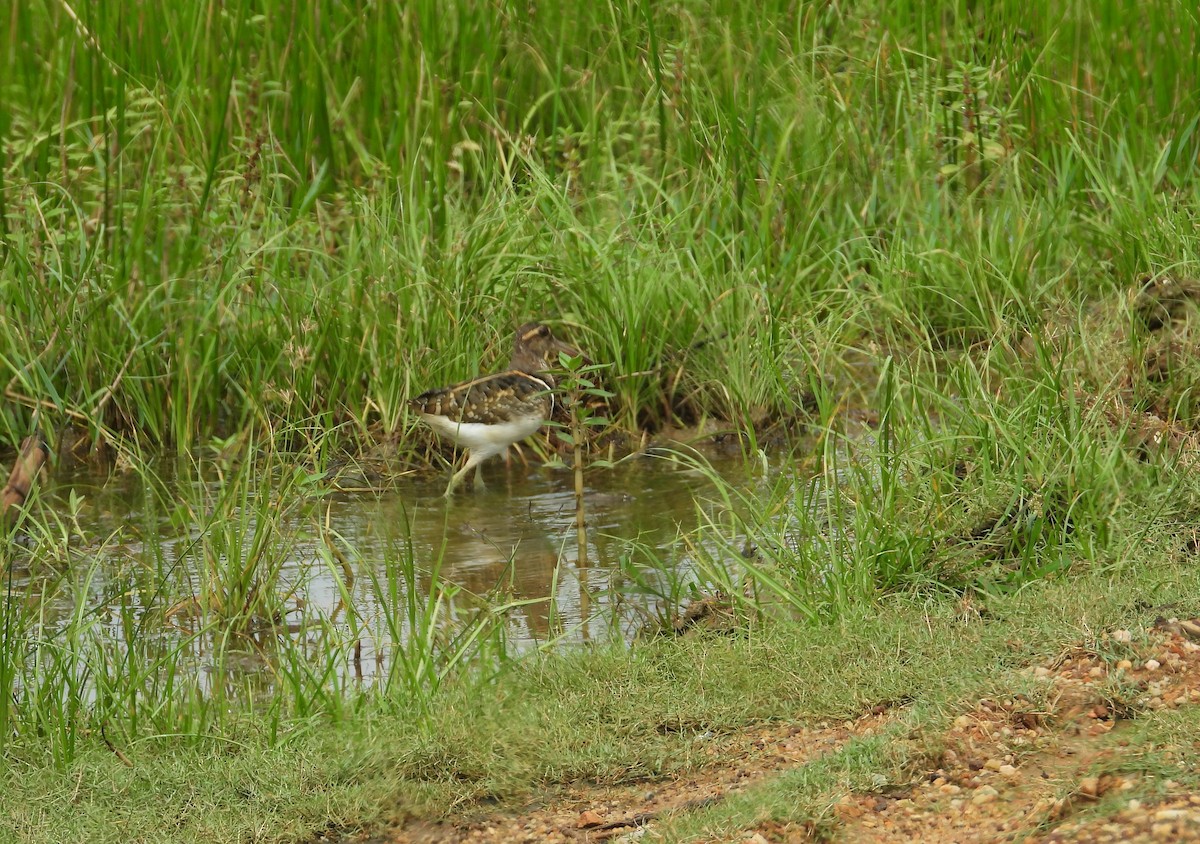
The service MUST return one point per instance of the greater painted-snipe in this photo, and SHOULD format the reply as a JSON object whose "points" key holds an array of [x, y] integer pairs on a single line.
{"points": [[488, 414]]}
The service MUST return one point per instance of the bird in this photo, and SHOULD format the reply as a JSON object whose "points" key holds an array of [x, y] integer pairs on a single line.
{"points": [[486, 415]]}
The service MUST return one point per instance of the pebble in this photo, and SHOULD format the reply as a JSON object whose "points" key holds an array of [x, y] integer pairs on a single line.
{"points": [[962, 721], [1007, 771], [993, 764], [588, 819], [949, 788], [984, 794], [1096, 672], [1090, 787], [1172, 815], [1122, 636], [1152, 665], [1124, 665]]}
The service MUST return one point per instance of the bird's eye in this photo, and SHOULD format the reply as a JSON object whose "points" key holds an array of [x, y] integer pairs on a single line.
{"points": [[543, 331]]}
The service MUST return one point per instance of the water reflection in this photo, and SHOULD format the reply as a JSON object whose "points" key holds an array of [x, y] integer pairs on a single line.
{"points": [[512, 544]]}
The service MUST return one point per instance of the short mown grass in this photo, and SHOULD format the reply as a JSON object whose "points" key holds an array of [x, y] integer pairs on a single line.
{"points": [[557, 719]]}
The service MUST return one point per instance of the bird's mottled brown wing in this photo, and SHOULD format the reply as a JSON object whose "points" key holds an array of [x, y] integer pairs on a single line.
{"points": [[488, 400]]}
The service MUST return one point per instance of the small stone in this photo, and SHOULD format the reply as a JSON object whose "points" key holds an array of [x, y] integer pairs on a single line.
{"points": [[1096, 671], [1123, 636], [1090, 787], [1007, 771], [949, 788], [588, 819], [1152, 665], [757, 838], [1163, 832], [962, 722], [1124, 665], [1172, 815], [984, 794], [993, 764], [1134, 805]]}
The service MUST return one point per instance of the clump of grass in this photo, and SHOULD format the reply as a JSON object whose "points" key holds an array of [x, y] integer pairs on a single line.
{"points": [[981, 476]]}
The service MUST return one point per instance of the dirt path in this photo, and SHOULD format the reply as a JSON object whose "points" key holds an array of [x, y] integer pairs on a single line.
{"points": [[1055, 769], [1018, 770]]}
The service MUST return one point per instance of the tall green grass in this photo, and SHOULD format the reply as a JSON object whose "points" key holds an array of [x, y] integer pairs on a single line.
{"points": [[251, 214]]}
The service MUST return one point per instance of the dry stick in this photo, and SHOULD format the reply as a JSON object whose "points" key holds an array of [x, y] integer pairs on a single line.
{"points": [[111, 389], [30, 401], [12, 382], [30, 459], [580, 520], [125, 760]]}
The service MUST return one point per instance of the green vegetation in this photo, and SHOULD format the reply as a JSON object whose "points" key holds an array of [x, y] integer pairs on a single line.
{"points": [[943, 250], [605, 715], [221, 216]]}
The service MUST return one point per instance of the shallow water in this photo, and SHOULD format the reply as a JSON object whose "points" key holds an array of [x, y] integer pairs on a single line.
{"points": [[138, 553]]}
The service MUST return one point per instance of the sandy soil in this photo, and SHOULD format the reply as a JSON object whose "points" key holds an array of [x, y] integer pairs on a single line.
{"points": [[1010, 769]]}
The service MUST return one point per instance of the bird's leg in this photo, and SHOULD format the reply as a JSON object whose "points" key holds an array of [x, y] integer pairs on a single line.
{"points": [[479, 484], [473, 461]]}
